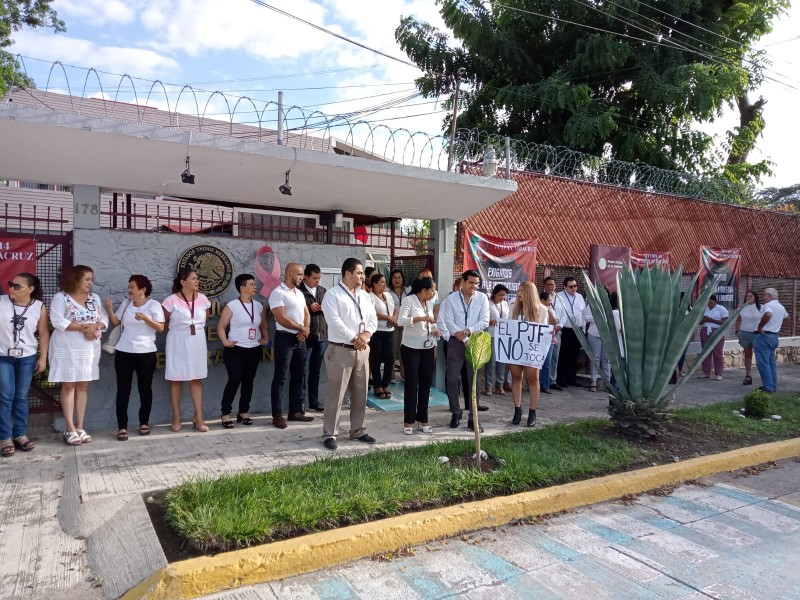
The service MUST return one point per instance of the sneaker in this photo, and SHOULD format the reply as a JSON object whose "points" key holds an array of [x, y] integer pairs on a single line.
{"points": [[279, 422], [455, 420], [300, 417], [330, 444], [366, 438]]}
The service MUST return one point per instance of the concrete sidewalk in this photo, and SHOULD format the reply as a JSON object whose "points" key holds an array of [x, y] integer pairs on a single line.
{"points": [[72, 519]]}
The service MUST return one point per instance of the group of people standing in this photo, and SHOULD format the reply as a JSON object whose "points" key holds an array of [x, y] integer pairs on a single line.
{"points": [[358, 329]]}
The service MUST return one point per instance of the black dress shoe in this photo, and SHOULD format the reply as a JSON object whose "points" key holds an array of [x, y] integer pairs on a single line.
{"points": [[562, 384], [299, 417], [455, 420], [545, 391], [471, 425], [316, 408], [482, 408], [556, 387], [366, 438], [330, 444]]}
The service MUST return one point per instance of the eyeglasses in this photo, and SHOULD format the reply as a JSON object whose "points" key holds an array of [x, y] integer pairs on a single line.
{"points": [[15, 286]]}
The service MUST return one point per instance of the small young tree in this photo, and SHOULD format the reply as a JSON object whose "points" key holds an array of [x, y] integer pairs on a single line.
{"points": [[657, 325], [477, 354]]}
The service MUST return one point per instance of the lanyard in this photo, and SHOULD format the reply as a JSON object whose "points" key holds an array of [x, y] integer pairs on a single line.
{"points": [[356, 301], [385, 302], [571, 300], [250, 314], [465, 306], [191, 306], [425, 308], [500, 310], [18, 323]]}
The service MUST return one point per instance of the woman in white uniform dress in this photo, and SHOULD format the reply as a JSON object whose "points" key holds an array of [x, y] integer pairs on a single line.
{"points": [[78, 320], [186, 312]]}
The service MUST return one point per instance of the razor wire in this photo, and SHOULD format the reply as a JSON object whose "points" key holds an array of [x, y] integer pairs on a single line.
{"points": [[349, 134]]}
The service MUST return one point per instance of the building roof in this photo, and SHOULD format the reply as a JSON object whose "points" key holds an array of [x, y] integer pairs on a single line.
{"points": [[568, 216]]}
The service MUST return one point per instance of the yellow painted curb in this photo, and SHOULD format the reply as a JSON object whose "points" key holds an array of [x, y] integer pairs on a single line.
{"points": [[206, 575]]}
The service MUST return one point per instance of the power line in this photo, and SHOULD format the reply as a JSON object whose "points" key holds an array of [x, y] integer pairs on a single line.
{"points": [[334, 34], [287, 76]]}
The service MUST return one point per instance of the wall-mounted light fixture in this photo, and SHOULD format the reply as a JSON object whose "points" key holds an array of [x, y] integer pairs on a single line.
{"points": [[186, 176], [286, 189]]}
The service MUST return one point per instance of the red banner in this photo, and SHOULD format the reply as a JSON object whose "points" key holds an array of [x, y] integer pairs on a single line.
{"points": [[722, 264], [640, 260], [17, 255], [605, 262], [500, 260]]}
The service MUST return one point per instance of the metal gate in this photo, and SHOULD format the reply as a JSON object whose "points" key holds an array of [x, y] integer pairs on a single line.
{"points": [[53, 258]]}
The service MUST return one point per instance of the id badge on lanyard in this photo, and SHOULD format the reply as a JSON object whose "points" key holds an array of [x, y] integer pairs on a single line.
{"points": [[15, 352], [252, 333]]}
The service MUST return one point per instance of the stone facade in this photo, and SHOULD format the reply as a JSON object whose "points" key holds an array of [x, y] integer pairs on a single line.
{"points": [[116, 255], [734, 358]]}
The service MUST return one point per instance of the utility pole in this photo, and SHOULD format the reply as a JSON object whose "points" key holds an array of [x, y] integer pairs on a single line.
{"points": [[280, 118], [459, 74]]}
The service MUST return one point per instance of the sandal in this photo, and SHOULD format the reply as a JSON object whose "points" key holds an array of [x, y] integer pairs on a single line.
{"points": [[122, 435], [748, 380], [6, 448], [425, 428], [408, 429], [144, 429], [386, 395], [21, 442], [85, 437], [243, 420], [593, 387], [72, 438], [228, 424]]}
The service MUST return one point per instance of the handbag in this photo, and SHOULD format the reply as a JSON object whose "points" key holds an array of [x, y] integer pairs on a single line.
{"points": [[113, 337]]}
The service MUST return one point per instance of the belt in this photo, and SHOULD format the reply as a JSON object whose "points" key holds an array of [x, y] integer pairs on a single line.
{"points": [[342, 345]]}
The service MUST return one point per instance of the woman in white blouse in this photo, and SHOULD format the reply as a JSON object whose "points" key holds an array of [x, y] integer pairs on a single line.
{"points": [[527, 308], [186, 312], [140, 317], [494, 373], [22, 317], [418, 347], [78, 321], [381, 344], [746, 328], [397, 288]]}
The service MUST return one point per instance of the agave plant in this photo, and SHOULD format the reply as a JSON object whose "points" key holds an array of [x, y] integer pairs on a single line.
{"points": [[656, 327], [477, 353]]}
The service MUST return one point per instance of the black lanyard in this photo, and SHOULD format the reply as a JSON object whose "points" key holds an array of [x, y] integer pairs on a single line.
{"points": [[356, 301], [191, 306], [465, 305], [249, 314], [17, 322], [385, 302]]}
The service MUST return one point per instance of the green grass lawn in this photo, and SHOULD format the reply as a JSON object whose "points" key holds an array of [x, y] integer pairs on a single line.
{"points": [[251, 508]]}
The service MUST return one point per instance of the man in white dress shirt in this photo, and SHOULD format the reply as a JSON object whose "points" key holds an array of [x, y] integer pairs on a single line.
{"points": [[461, 314], [569, 303], [293, 324], [351, 321], [550, 288], [766, 340]]}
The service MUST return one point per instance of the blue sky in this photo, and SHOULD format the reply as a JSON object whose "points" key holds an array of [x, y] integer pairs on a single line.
{"points": [[247, 50]]}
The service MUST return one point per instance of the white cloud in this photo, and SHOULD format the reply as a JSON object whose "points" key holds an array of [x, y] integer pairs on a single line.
{"points": [[136, 61], [96, 12]]}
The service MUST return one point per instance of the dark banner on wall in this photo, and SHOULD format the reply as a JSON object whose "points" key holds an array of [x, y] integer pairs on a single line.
{"points": [[500, 260], [639, 260], [722, 264], [605, 262], [17, 255]]}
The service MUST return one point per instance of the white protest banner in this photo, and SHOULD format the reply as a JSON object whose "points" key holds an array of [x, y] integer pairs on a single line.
{"points": [[522, 342]]}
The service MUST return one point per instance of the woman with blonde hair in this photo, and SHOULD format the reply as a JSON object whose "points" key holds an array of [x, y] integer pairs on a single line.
{"points": [[527, 307]]}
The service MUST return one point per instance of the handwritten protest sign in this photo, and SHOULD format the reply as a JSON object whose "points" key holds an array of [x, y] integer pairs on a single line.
{"points": [[522, 342]]}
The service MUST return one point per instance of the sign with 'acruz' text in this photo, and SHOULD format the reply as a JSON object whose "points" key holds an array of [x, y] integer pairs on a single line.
{"points": [[17, 255], [522, 342]]}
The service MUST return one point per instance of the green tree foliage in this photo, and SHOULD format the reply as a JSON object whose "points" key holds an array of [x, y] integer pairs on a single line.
{"points": [[14, 15], [785, 199], [633, 77]]}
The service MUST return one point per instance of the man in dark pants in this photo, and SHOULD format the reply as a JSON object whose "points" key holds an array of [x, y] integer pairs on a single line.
{"points": [[317, 340], [461, 314], [569, 303], [293, 324]]}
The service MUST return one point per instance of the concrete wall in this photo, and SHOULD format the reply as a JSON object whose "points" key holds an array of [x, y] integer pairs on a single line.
{"points": [[115, 255]]}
